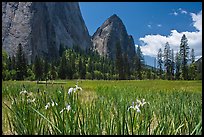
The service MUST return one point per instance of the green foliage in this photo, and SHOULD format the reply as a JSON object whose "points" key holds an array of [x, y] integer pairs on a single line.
{"points": [[184, 51], [21, 64], [119, 62], [76, 63], [167, 60], [38, 68], [101, 108], [160, 62]]}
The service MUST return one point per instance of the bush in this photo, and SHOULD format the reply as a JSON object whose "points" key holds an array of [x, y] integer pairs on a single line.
{"points": [[98, 74], [88, 75]]}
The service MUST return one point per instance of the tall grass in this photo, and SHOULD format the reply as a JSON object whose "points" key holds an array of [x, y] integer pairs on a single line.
{"points": [[101, 108]]}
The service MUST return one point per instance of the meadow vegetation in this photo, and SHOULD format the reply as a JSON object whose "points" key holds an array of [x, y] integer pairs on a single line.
{"points": [[127, 107]]}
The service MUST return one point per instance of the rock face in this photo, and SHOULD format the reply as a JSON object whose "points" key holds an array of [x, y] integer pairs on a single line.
{"points": [[113, 31], [42, 26]]}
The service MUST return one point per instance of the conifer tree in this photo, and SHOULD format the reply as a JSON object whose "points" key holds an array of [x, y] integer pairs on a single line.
{"points": [[184, 51], [160, 62], [21, 64]]}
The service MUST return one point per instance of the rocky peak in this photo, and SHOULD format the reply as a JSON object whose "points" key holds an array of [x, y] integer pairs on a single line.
{"points": [[108, 34], [41, 27]]}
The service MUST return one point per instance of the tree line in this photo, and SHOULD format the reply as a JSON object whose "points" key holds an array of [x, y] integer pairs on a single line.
{"points": [[75, 63], [181, 66]]}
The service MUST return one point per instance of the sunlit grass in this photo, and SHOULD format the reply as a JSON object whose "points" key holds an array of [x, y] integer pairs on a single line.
{"points": [[174, 107]]}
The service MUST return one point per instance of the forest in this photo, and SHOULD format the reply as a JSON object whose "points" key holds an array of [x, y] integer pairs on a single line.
{"points": [[75, 63]]}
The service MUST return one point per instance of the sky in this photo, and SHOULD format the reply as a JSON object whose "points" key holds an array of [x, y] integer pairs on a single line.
{"points": [[151, 24]]}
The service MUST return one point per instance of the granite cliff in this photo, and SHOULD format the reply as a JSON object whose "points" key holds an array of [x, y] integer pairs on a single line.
{"points": [[111, 32], [41, 27]]}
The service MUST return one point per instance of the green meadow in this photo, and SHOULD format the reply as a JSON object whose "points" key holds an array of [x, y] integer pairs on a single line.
{"points": [[125, 107]]}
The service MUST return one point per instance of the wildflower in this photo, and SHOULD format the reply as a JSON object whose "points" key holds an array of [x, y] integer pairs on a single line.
{"points": [[77, 87], [23, 92], [68, 108], [74, 89], [47, 106], [143, 102], [136, 107], [53, 103], [31, 100], [70, 90]]}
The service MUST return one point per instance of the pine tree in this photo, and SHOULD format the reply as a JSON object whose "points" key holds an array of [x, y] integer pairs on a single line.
{"points": [[119, 61], [160, 62], [167, 60], [184, 51], [46, 69], [83, 72], [177, 66], [192, 68], [172, 64], [140, 62], [21, 64], [62, 67], [192, 56], [53, 71], [13, 62], [126, 66], [38, 68], [80, 68]]}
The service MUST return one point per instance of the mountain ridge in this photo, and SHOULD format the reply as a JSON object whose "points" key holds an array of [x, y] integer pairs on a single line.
{"points": [[109, 34]]}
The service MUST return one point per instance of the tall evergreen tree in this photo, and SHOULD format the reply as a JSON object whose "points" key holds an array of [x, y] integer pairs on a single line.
{"points": [[167, 60], [126, 67], [21, 65], [172, 64], [140, 62], [62, 67], [46, 69], [160, 62], [177, 66], [192, 67], [38, 68], [53, 71], [184, 51], [83, 72], [192, 56], [13, 62], [119, 61]]}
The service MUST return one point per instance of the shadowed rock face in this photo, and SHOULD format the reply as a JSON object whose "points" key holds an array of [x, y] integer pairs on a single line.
{"points": [[41, 27], [113, 31]]}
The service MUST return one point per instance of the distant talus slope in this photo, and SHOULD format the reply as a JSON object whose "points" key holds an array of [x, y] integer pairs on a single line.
{"points": [[113, 31], [42, 26]]}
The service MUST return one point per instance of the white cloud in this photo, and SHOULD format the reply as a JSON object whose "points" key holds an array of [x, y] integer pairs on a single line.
{"points": [[197, 19], [149, 26], [182, 11], [159, 25], [175, 13], [152, 43]]}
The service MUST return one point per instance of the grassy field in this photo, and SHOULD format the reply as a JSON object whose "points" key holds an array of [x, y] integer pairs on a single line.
{"points": [[143, 107]]}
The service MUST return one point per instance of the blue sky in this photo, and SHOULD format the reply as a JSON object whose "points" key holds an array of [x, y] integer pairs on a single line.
{"points": [[151, 23]]}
